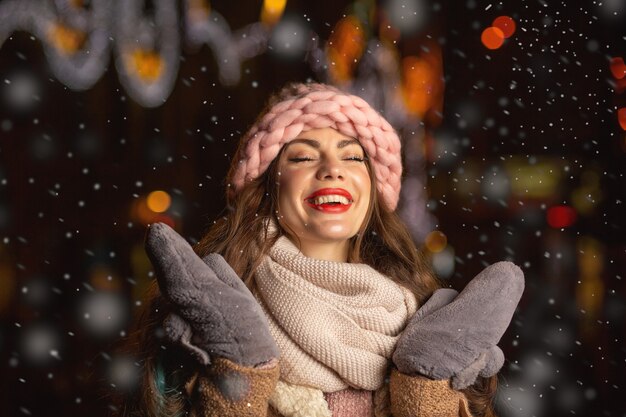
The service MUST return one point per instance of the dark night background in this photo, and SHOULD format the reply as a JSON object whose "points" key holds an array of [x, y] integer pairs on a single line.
{"points": [[523, 161]]}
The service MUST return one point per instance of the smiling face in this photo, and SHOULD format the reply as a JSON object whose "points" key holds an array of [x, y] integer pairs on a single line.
{"points": [[324, 192]]}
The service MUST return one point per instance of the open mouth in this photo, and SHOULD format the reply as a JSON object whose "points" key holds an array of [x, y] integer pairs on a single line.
{"points": [[324, 200]]}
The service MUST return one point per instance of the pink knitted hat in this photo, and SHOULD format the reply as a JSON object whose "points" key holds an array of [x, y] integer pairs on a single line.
{"points": [[316, 106]]}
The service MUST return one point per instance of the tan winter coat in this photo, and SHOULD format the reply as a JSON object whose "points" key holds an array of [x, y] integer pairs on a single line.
{"points": [[226, 389]]}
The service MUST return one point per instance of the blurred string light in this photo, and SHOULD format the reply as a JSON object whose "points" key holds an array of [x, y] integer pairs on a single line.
{"points": [[502, 27], [590, 291], [146, 43]]}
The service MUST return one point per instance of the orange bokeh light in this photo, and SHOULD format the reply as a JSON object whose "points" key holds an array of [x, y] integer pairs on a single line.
{"points": [[621, 116], [505, 24], [158, 201], [492, 37]]}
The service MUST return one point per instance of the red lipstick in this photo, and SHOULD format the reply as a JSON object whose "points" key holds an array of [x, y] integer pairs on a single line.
{"points": [[330, 207]]}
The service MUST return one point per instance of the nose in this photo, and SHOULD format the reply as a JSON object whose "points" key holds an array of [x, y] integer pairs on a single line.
{"points": [[330, 169]]}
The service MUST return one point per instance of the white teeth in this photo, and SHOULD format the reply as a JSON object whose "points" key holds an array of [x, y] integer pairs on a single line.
{"points": [[322, 199]]}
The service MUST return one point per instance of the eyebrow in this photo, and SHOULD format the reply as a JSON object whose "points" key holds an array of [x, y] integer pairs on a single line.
{"points": [[315, 144]]}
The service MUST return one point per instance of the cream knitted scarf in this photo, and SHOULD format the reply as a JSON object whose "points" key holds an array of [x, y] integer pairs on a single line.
{"points": [[336, 323]]}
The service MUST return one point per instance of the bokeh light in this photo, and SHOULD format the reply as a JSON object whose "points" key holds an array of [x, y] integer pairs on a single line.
{"points": [[443, 262], [272, 11], [408, 16], [436, 241], [103, 314], [289, 38], [561, 216], [158, 201], [22, 91], [618, 68], [123, 373], [505, 24], [40, 344], [621, 117], [492, 37]]}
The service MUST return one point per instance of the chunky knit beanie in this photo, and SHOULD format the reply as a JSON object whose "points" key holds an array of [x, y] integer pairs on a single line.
{"points": [[317, 106]]}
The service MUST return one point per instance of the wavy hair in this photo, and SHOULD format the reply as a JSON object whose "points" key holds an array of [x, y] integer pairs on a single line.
{"points": [[242, 236]]}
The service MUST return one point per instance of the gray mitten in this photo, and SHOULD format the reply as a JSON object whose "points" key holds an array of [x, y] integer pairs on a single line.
{"points": [[214, 312], [455, 337]]}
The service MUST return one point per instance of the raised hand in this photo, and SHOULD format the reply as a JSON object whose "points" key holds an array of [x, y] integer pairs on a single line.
{"points": [[214, 313], [455, 336]]}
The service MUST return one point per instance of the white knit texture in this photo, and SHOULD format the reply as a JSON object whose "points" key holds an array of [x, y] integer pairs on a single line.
{"points": [[335, 323]]}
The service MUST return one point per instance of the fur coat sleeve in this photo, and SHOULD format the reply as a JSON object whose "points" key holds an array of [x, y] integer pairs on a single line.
{"points": [[226, 389]]}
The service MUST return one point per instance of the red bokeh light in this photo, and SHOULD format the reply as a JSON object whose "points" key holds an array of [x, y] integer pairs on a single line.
{"points": [[505, 24], [618, 68], [621, 116], [561, 216]]}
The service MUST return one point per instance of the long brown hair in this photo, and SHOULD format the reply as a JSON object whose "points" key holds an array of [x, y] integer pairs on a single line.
{"points": [[243, 237]]}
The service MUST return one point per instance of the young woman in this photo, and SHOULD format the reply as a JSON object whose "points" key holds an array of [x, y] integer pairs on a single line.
{"points": [[309, 298]]}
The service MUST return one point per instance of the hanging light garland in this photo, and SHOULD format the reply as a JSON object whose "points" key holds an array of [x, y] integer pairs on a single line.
{"points": [[78, 37]]}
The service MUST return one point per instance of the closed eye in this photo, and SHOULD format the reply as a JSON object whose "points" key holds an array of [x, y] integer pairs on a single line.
{"points": [[355, 158], [301, 159]]}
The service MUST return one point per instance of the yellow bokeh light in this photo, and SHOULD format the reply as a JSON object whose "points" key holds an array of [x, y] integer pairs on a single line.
{"points": [[436, 241], [272, 11], [159, 201]]}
